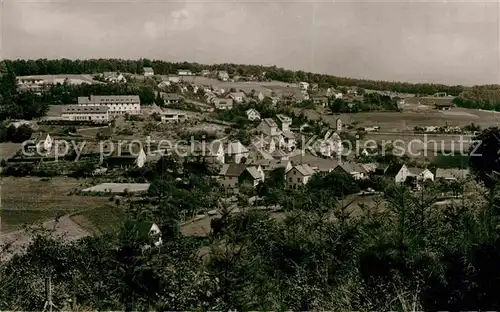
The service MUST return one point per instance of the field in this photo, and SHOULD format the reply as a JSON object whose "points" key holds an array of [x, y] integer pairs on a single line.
{"points": [[99, 221], [265, 87], [7, 150], [410, 117], [29, 200]]}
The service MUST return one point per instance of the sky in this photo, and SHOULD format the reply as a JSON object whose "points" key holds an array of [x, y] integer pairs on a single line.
{"points": [[453, 42]]}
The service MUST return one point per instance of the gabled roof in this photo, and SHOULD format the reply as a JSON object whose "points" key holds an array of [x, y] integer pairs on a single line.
{"points": [[232, 170], [237, 94], [319, 97], [271, 164], [235, 148], [288, 134], [270, 122], [304, 169], [369, 167], [144, 227], [251, 110], [415, 171], [283, 118], [351, 167], [148, 69], [254, 172], [279, 153], [220, 101], [170, 96]]}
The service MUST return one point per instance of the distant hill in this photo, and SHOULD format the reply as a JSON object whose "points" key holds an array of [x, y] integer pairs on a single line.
{"points": [[257, 72]]}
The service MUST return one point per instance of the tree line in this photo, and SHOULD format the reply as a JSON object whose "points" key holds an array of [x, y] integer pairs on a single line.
{"points": [[92, 66]]}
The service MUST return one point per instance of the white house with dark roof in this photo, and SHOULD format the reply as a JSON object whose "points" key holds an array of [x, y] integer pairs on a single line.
{"points": [[298, 176], [85, 113], [279, 154], [114, 77], [184, 72], [419, 174], [353, 169], [148, 71], [170, 98], [269, 165], [285, 122], [287, 140], [170, 115], [229, 175], [234, 175], [237, 97], [303, 85], [252, 176], [223, 104], [252, 114], [268, 127]]}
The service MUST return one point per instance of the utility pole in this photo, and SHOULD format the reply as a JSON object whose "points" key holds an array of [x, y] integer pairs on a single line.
{"points": [[48, 291]]}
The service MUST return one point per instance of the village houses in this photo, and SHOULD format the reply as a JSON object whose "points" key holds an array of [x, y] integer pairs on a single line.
{"points": [[223, 75], [268, 165], [353, 169], [223, 104], [252, 114], [184, 72], [237, 97], [320, 100], [303, 86], [233, 175], [148, 71], [417, 174], [114, 77], [298, 176], [170, 98], [168, 115]]}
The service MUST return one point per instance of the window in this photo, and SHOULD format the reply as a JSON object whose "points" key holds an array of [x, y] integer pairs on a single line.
{"points": [[290, 179], [298, 179]]}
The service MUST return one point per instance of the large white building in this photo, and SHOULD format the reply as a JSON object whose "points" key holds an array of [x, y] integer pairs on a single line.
{"points": [[117, 104], [85, 113]]}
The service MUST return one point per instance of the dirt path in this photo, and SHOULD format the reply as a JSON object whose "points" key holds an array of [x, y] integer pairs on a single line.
{"points": [[20, 240]]}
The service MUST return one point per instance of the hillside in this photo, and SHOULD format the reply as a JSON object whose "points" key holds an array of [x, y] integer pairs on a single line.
{"points": [[480, 97], [257, 72]]}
